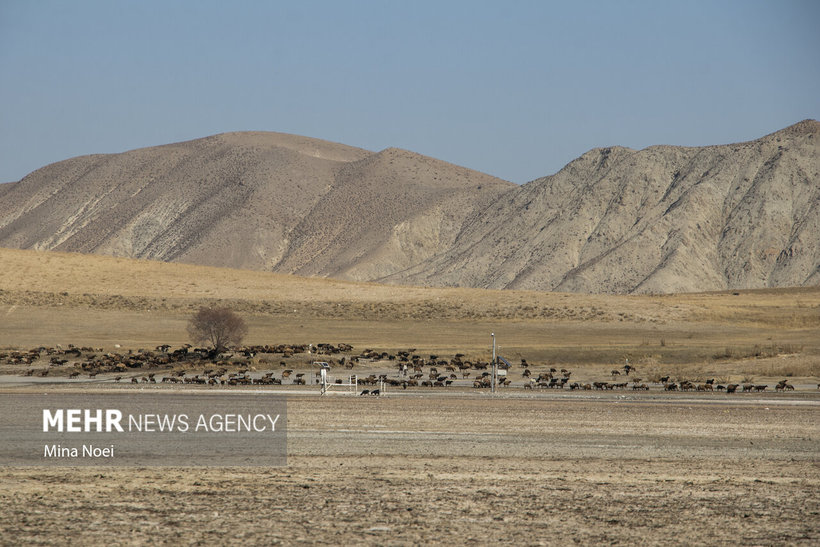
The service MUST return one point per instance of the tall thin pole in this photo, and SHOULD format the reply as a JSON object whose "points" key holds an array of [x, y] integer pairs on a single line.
{"points": [[492, 384]]}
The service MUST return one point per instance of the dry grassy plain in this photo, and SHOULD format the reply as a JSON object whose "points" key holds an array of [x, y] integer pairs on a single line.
{"points": [[55, 298], [455, 467]]}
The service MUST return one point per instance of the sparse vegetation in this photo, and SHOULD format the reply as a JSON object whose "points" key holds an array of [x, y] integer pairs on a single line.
{"points": [[758, 351], [803, 369], [579, 332]]}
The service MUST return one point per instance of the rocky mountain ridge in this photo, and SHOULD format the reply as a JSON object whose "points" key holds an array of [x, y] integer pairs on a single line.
{"points": [[615, 220]]}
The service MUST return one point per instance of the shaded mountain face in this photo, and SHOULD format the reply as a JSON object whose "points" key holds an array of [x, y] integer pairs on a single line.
{"points": [[662, 219]]}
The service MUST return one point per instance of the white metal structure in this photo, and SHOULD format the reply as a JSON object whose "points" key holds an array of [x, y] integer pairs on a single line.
{"points": [[494, 378], [329, 384]]}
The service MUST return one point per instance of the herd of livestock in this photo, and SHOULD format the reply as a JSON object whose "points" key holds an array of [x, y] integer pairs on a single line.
{"points": [[238, 367]]}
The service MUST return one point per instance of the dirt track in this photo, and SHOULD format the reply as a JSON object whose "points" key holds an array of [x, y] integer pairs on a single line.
{"points": [[660, 470]]}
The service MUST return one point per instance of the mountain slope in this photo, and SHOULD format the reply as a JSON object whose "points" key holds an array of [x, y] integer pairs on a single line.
{"points": [[662, 219], [249, 200], [386, 213], [615, 220], [220, 200]]}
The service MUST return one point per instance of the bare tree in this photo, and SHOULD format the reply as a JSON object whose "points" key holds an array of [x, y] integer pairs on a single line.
{"points": [[220, 327]]}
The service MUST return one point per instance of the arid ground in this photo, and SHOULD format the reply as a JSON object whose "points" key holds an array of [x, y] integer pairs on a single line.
{"points": [[456, 470], [439, 465]]}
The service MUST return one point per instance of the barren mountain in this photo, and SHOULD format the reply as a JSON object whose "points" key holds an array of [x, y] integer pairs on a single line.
{"points": [[662, 219], [386, 213], [249, 200], [224, 200]]}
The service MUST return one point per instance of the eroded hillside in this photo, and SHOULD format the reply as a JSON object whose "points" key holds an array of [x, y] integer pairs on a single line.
{"points": [[663, 219]]}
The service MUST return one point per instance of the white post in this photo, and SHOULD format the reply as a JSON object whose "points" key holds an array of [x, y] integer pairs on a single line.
{"points": [[494, 376]]}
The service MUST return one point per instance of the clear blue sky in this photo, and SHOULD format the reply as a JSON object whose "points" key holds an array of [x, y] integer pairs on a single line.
{"points": [[513, 88]]}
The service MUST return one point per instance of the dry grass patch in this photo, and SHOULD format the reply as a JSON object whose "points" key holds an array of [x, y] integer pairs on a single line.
{"points": [[52, 298]]}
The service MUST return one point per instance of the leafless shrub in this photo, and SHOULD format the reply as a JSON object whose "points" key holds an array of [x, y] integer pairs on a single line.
{"points": [[219, 327]]}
